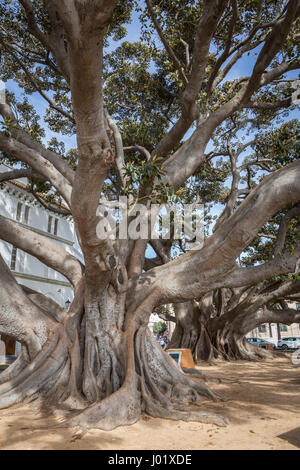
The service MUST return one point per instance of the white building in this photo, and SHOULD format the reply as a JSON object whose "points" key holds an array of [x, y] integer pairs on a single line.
{"points": [[18, 204]]}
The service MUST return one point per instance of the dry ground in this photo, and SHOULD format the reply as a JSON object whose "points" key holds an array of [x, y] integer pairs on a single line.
{"points": [[263, 409]]}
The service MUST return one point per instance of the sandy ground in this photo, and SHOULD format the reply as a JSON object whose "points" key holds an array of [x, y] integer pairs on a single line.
{"points": [[263, 409]]}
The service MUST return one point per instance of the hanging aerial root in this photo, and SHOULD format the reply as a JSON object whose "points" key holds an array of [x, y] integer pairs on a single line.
{"points": [[198, 342], [204, 349]]}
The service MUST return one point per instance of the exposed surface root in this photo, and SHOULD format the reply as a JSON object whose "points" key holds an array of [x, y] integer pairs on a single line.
{"points": [[153, 383], [15, 368], [195, 373], [40, 373]]}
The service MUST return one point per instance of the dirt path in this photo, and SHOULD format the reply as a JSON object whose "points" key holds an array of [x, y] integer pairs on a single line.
{"points": [[263, 408]]}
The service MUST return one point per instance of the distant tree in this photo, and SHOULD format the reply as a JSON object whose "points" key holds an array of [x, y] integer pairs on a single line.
{"points": [[159, 327]]}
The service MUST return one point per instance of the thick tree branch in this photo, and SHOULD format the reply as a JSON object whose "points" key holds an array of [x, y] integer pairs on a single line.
{"points": [[44, 303], [166, 44], [56, 208], [212, 11], [260, 105], [36, 161], [16, 174], [42, 248], [194, 272], [294, 212], [85, 23], [287, 316], [120, 159], [24, 138], [140, 149]]}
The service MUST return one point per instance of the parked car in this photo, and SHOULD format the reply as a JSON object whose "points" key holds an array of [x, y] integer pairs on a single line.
{"points": [[271, 340], [261, 343], [293, 342]]}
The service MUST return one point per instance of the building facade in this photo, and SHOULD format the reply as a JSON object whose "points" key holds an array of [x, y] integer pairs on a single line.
{"points": [[18, 204]]}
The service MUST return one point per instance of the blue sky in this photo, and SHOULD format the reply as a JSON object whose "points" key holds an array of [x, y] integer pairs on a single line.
{"points": [[133, 34], [243, 67]]}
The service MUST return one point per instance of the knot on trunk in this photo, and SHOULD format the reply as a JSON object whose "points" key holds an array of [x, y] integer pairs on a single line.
{"points": [[111, 261]]}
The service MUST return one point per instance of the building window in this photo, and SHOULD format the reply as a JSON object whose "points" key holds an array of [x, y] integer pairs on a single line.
{"points": [[13, 258], [282, 327], [21, 261], [262, 328], [55, 226], [26, 215], [19, 211], [46, 271], [50, 224]]}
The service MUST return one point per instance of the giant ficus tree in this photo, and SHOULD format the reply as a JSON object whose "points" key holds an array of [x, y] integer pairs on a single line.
{"points": [[131, 111]]}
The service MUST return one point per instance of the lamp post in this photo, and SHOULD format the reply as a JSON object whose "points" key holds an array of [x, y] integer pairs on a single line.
{"points": [[67, 305]]}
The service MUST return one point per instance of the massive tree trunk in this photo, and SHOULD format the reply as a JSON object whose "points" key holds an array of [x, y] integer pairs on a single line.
{"points": [[94, 361], [229, 342], [131, 374]]}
